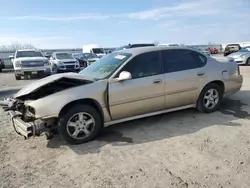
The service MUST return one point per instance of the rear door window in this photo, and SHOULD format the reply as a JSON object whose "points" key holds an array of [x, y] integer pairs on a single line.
{"points": [[182, 59]]}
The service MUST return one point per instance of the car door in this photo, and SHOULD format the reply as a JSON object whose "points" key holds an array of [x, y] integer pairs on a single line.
{"points": [[184, 74], [144, 93]]}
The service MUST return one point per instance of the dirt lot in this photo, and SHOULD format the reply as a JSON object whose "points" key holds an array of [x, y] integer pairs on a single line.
{"points": [[181, 149]]}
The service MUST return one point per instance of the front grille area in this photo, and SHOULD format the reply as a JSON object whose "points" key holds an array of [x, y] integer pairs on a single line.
{"points": [[32, 63], [70, 66], [71, 62]]}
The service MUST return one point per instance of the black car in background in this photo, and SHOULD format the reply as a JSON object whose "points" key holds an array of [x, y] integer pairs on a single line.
{"points": [[133, 46], [231, 48], [85, 59], [2, 66]]}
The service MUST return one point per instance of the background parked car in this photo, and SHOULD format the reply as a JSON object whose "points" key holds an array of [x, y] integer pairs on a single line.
{"points": [[47, 55], [231, 48], [30, 62], [79, 58], [206, 52], [242, 57], [2, 66], [213, 50], [90, 58], [63, 62], [133, 46]]}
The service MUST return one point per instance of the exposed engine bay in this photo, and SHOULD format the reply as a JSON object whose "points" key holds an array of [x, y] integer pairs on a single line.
{"points": [[23, 116], [54, 87]]}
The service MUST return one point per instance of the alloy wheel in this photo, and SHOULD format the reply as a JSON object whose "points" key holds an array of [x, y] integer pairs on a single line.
{"points": [[80, 125], [211, 98]]}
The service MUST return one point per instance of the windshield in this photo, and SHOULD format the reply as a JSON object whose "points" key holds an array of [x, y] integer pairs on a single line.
{"points": [[29, 54], [233, 47], [89, 55], [107, 65], [245, 49], [77, 55], [98, 50], [64, 56]]}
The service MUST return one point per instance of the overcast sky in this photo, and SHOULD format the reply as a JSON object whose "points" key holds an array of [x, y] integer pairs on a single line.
{"points": [[111, 23]]}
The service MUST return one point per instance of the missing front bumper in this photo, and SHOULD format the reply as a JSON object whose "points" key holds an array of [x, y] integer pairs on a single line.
{"points": [[26, 129]]}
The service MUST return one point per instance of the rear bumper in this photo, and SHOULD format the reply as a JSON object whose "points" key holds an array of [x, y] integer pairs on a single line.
{"points": [[233, 85]]}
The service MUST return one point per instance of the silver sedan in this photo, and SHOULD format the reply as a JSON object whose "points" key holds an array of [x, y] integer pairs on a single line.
{"points": [[242, 57]]}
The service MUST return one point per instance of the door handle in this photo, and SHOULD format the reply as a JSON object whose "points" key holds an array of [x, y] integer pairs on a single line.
{"points": [[200, 73], [157, 81]]}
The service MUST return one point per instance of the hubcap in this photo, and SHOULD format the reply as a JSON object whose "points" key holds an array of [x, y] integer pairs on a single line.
{"points": [[211, 98], [80, 125]]}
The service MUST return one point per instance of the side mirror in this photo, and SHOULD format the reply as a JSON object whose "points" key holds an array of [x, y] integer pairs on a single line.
{"points": [[11, 57], [124, 75]]}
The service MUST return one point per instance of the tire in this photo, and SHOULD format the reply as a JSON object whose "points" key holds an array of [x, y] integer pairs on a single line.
{"points": [[53, 69], [248, 62], [205, 94], [72, 117], [18, 77]]}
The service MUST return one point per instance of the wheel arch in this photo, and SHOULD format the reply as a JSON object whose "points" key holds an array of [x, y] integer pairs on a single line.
{"points": [[88, 101], [217, 82]]}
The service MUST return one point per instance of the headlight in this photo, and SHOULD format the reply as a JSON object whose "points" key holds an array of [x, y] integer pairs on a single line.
{"points": [[18, 63], [60, 63], [77, 63]]}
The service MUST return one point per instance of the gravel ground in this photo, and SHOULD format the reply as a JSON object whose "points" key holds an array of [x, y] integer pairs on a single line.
{"points": [[181, 149]]}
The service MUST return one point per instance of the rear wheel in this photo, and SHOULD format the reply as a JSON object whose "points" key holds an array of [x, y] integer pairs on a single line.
{"points": [[210, 98], [81, 123]]}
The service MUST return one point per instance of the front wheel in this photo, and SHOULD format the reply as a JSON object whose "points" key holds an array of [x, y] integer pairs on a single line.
{"points": [[81, 123], [210, 98], [53, 69]]}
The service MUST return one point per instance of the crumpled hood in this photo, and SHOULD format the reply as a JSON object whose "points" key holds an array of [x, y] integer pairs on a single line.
{"points": [[38, 84]]}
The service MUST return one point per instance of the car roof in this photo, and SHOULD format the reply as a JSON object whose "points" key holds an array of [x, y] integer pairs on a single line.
{"points": [[61, 52], [141, 50], [24, 50], [233, 45]]}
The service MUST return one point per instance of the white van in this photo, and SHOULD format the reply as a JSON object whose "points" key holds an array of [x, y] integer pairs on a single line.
{"points": [[93, 48]]}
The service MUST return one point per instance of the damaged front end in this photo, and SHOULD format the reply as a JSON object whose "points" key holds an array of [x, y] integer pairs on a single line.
{"points": [[23, 116], [24, 121]]}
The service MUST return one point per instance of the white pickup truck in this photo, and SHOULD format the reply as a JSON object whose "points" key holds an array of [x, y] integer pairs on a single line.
{"points": [[30, 62]]}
